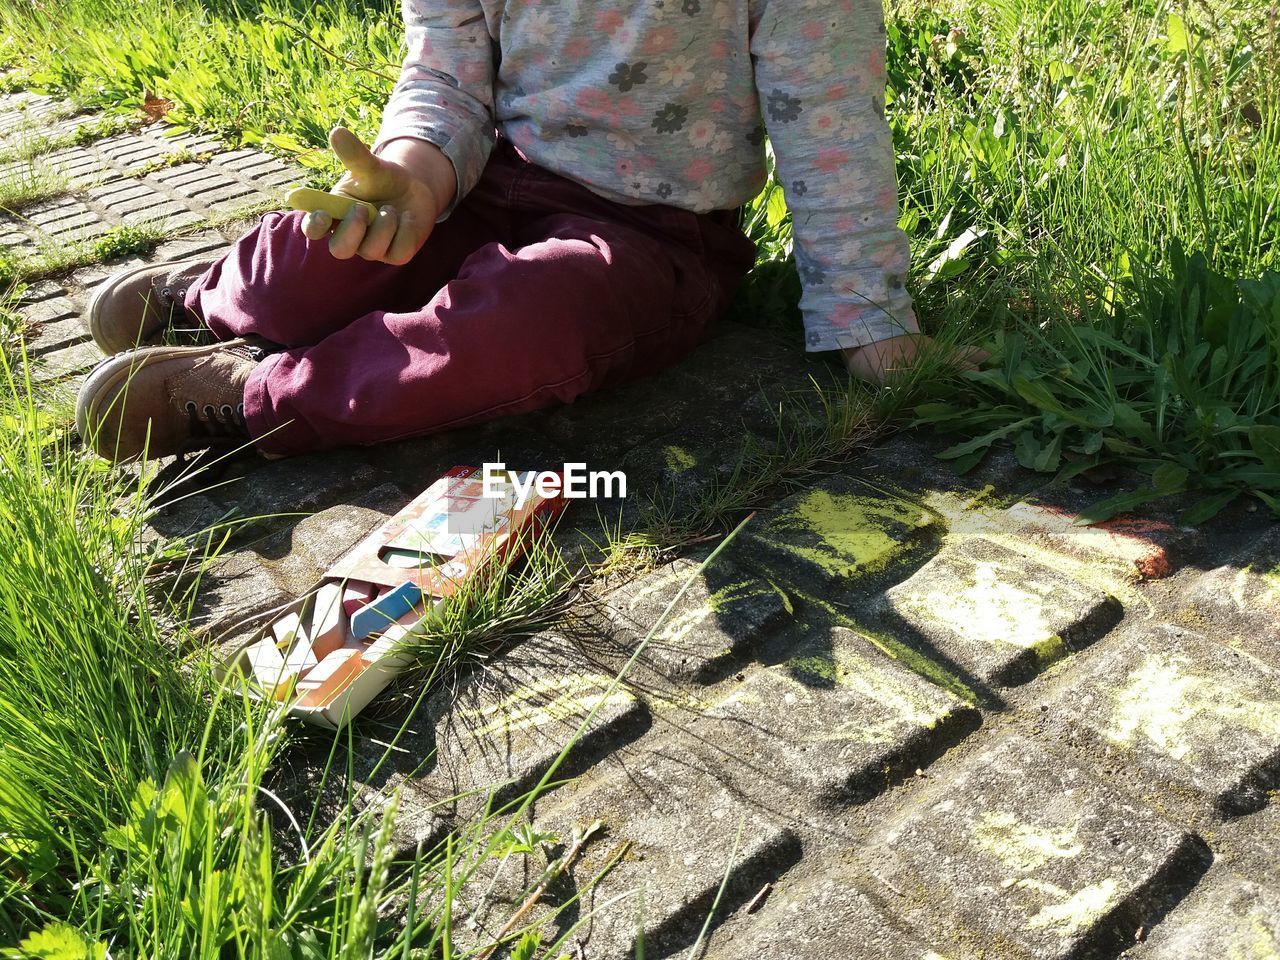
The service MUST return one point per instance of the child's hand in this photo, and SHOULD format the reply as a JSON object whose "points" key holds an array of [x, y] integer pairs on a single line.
{"points": [[877, 362], [411, 185]]}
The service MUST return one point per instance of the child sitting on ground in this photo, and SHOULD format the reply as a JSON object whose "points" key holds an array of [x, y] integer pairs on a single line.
{"points": [[557, 190]]}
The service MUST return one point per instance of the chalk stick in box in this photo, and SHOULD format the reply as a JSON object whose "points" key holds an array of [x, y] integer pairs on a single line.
{"points": [[329, 677], [328, 620], [356, 594], [384, 611]]}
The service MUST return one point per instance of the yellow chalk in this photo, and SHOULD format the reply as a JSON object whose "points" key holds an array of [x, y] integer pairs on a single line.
{"points": [[337, 206]]}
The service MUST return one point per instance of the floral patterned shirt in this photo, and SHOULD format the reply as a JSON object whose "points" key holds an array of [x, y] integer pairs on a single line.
{"points": [[669, 101]]}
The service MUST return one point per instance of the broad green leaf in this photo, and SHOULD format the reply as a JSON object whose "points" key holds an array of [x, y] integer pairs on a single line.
{"points": [[1250, 476], [61, 941], [775, 210], [1027, 449], [1130, 422], [1206, 509], [1076, 467], [936, 411], [183, 796], [1108, 508], [970, 460], [1265, 442], [1036, 393], [984, 441], [1048, 459], [527, 946], [1169, 478], [1123, 447]]}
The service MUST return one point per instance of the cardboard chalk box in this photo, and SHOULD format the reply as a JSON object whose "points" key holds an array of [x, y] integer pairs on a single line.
{"points": [[337, 647]]}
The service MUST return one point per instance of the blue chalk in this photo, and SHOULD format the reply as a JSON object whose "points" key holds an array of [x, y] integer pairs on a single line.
{"points": [[384, 611]]}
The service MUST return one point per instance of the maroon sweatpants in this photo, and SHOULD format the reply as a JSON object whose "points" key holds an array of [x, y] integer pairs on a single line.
{"points": [[534, 291]]}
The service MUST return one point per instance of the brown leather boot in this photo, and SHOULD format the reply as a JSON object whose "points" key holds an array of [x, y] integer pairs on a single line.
{"points": [[143, 307], [163, 401]]}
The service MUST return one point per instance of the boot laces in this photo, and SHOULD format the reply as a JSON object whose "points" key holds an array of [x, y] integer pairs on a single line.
{"points": [[183, 325], [214, 419], [221, 421]]}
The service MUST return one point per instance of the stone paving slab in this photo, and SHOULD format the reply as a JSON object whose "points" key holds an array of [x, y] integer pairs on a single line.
{"points": [[492, 737], [1001, 616], [1240, 600], [1227, 918], [1179, 707], [838, 725], [722, 614], [826, 919], [58, 222], [1143, 548], [1250, 845], [82, 170], [50, 309], [686, 833], [501, 730], [56, 334], [67, 362], [1024, 854], [286, 564]]}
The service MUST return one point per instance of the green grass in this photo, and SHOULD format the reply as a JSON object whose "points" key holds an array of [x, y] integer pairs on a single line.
{"points": [[27, 183], [1095, 190], [1174, 375], [34, 144], [236, 68], [1092, 188], [135, 810], [54, 259]]}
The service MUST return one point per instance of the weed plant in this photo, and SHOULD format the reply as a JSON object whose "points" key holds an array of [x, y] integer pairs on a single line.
{"points": [[26, 183], [1095, 190]]}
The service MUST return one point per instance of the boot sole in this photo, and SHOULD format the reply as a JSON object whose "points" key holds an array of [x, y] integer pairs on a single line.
{"points": [[106, 379], [105, 289]]}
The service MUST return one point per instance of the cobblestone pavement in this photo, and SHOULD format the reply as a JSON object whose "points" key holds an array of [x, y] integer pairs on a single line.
{"points": [[903, 716]]}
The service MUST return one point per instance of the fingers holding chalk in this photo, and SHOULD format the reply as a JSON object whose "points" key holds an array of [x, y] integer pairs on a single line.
{"points": [[346, 238], [334, 205], [316, 226]]}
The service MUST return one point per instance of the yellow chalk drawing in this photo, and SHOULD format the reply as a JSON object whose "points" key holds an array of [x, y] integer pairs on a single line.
{"points": [[1175, 708], [657, 584], [1025, 846], [901, 703], [1076, 912], [677, 627], [1263, 943], [678, 459], [1004, 521], [854, 534], [1000, 608], [549, 700], [894, 648]]}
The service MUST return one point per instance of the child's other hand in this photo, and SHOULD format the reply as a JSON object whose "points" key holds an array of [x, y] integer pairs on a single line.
{"points": [[877, 362], [411, 184]]}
